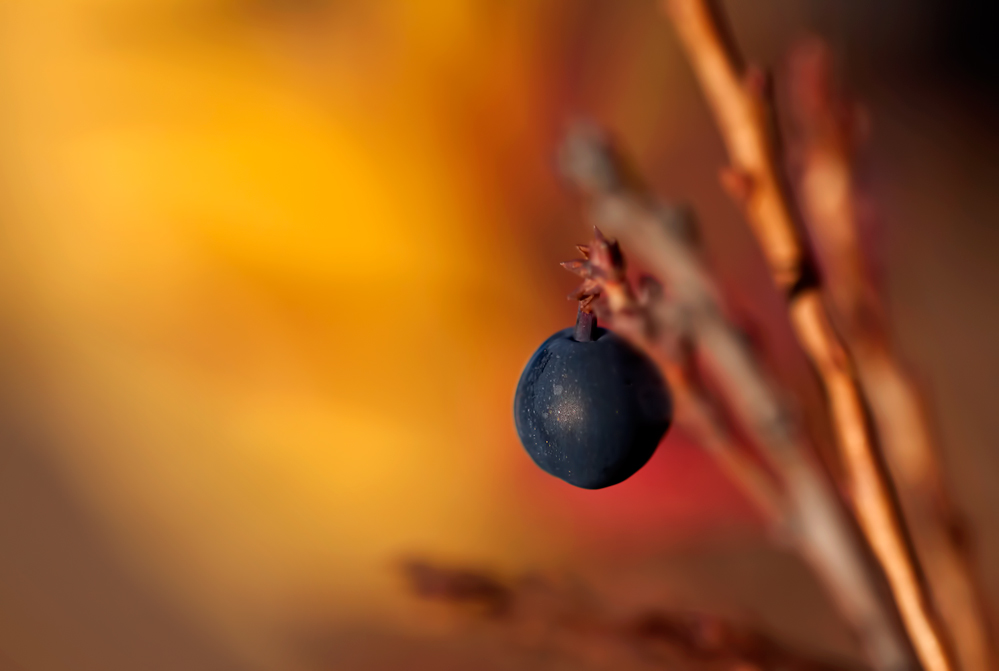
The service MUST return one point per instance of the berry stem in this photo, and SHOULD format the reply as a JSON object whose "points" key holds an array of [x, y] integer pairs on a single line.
{"points": [[586, 322]]}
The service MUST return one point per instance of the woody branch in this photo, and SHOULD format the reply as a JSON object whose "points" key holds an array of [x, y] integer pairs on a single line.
{"points": [[737, 99]]}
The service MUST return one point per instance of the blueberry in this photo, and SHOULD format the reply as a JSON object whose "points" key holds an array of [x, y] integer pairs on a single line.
{"points": [[591, 411]]}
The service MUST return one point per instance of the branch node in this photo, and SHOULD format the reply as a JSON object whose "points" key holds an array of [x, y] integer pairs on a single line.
{"points": [[737, 183], [757, 82]]}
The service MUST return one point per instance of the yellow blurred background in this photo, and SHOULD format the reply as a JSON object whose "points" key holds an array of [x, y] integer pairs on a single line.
{"points": [[269, 270]]}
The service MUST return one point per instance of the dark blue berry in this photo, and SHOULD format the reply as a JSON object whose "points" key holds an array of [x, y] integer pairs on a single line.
{"points": [[591, 412]]}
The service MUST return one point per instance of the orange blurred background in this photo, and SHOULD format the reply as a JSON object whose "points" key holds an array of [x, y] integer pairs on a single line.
{"points": [[269, 270]]}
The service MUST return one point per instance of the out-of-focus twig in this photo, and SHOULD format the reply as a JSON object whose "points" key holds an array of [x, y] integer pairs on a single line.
{"points": [[535, 605], [691, 310], [830, 129], [664, 339], [737, 98]]}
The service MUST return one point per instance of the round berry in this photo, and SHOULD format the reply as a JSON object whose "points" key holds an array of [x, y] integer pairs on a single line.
{"points": [[591, 412]]}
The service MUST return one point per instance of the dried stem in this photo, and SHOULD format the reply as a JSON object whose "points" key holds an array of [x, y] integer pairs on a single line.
{"points": [[586, 322], [737, 99], [697, 414], [532, 605], [691, 311], [649, 322], [830, 131]]}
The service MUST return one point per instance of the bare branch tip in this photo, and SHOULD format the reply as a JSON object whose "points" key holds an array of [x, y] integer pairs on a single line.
{"points": [[579, 267]]}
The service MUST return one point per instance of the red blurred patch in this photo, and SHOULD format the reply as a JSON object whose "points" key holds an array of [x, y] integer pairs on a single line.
{"points": [[680, 494]]}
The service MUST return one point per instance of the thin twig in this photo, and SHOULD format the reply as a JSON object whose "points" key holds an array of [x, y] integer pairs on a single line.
{"points": [[663, 239], [580, 630], [744, 116], [830, 130], [654, 323]]}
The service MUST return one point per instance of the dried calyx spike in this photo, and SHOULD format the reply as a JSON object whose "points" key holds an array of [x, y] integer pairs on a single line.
{"points": [[590, 408], [602, 270]]}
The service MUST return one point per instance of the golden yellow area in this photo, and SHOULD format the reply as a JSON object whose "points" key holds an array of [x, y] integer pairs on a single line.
{"points": [[256, 262]]}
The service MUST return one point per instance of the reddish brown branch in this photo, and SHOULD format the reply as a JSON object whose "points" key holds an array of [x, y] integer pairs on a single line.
{"points": [[830, 130], [579, 630], [649, 322], [744, 117], [690, 313]]}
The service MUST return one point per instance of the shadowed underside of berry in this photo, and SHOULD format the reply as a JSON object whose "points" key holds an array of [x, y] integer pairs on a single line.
{"points": [[591, 412]]}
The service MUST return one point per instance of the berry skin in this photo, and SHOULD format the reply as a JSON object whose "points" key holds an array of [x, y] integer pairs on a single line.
{"points": [[591, 412]]}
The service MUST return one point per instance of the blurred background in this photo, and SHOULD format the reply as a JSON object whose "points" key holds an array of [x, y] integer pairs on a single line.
{"points": [[270, 269]]}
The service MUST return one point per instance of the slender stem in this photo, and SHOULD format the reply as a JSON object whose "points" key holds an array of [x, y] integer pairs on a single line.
{"points": [[806, 513], [586, 324], [737, 97], [577, 632], [829, 134]]}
